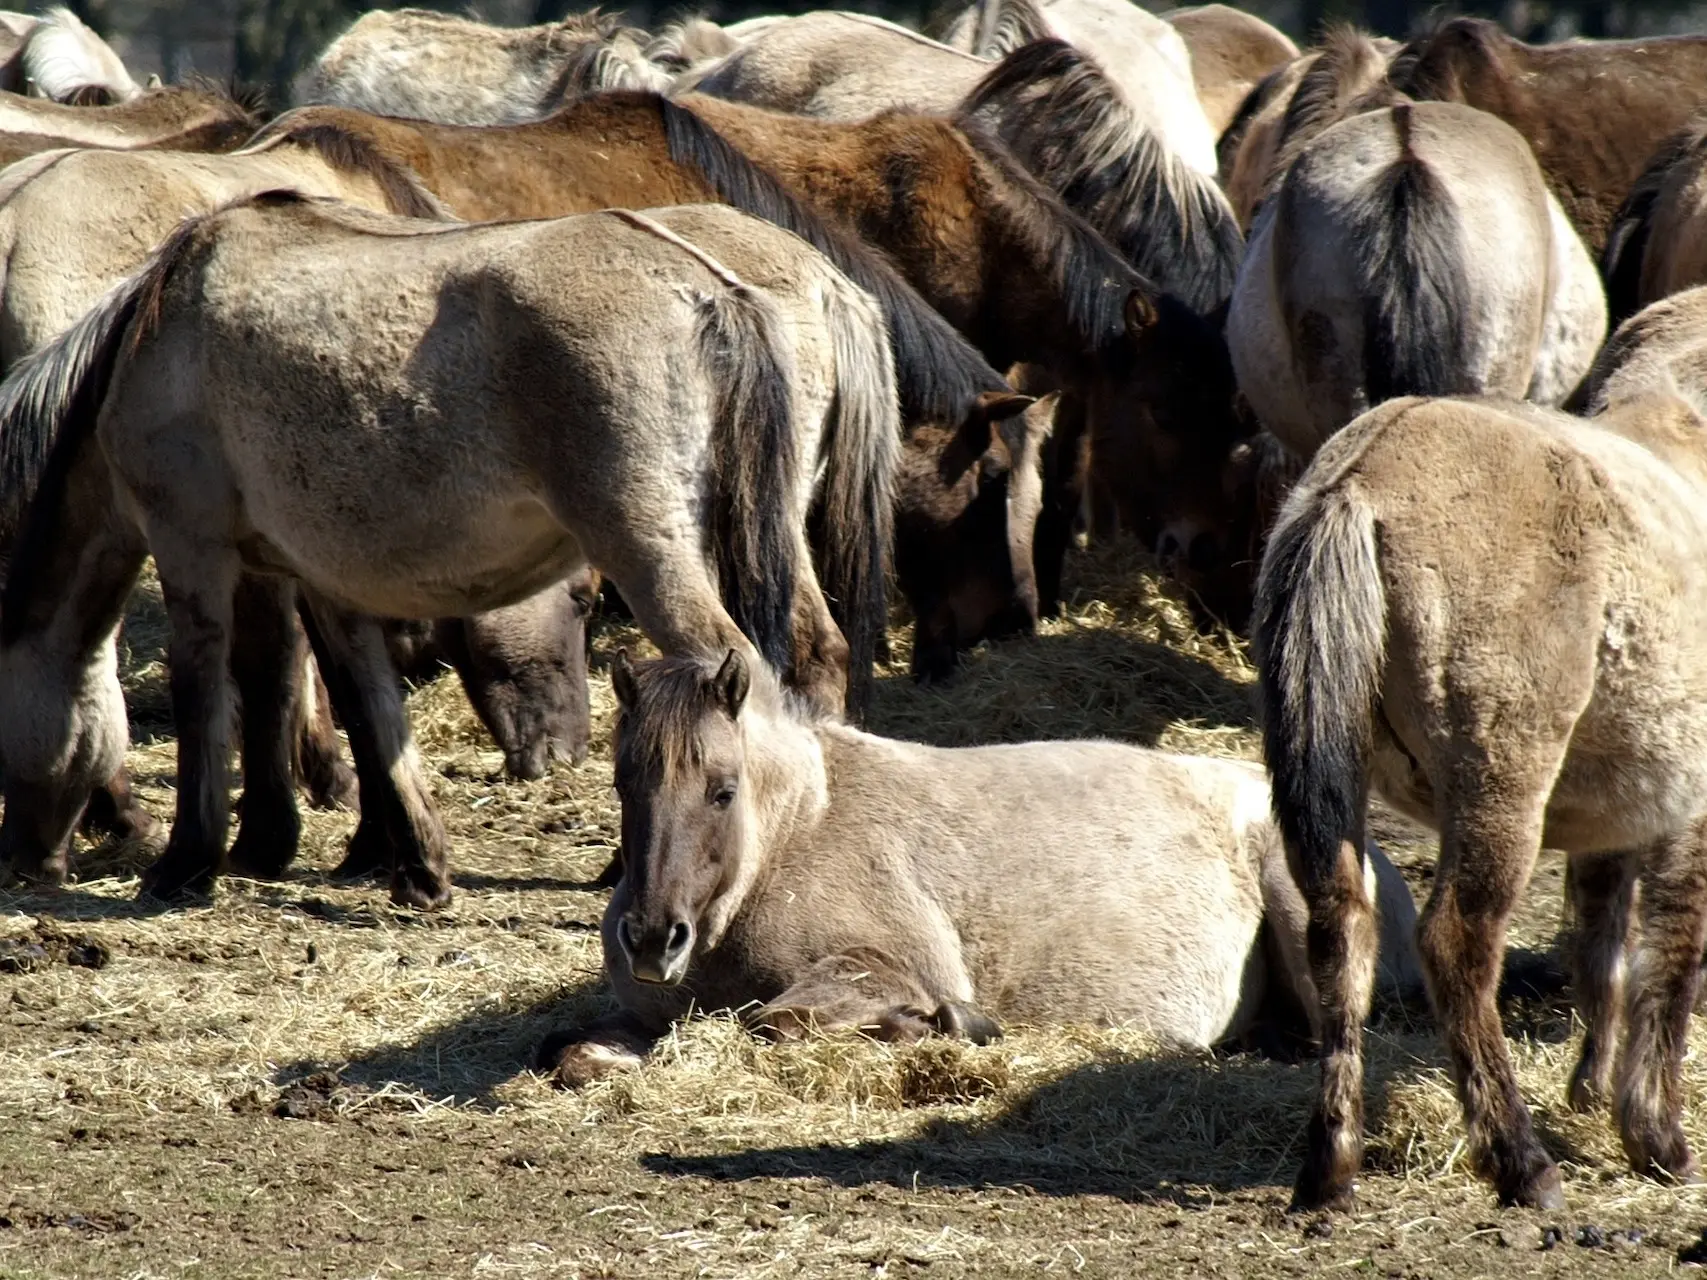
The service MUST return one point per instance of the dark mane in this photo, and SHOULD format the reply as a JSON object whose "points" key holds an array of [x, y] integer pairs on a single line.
{"points": [[350, 152], [939, 374], [1057, 112], [1627, 241], [250, 101], [1349, 75], [671, 698], [1259, 96], [1423, 67]]}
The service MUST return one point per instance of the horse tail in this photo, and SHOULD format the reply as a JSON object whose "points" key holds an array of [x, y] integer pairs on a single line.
{"points": [[939, 373], [1417, 299], [49, 402], [755, 467], [68, 62], [1321, 628], [861, 452]]}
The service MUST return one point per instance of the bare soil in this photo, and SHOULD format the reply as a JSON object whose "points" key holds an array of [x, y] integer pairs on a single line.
{"points": [[296, 1079]]}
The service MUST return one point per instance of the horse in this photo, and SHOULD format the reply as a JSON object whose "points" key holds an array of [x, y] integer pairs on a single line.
{"points": [[1663, 347], [985, 245], [1411, 250], [455, 70], [58, 57], [1486, 610], [1146, 58], [818, 878], [1231, 52], [1592, 110], [153, 116], [421, 419], [1655, 247]]}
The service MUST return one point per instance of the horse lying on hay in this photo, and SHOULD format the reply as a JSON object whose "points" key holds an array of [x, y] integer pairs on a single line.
{"points": [[816, 877], [343, 359], [455, 70], [1489, 612]]}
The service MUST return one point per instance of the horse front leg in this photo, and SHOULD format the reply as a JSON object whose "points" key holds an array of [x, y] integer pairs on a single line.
{"points": [[865, 990], [199, 583], [1489, 840], [394, 795], [267, 668], [1601, 893], [1661, 996], [819, 670]]}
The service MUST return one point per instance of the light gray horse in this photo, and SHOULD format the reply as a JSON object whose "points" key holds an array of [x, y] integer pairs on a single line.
{"points": [[419, 420], [813, 876], [1410, 250]]}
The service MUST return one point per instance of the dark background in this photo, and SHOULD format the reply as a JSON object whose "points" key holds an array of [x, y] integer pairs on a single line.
{"points": [[267, 41]]}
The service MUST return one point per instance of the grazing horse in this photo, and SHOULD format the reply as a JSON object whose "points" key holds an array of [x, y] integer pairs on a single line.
{"points": [[820, 878], [1489, 612], [1413, 250], [984, 243], [1145, 57], [1231, 52], [416, 419], [1592, 110], [438, 66], [1658, 242]]}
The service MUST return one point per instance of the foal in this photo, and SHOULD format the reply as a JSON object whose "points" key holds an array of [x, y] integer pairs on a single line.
{"points": [[814, 876]]}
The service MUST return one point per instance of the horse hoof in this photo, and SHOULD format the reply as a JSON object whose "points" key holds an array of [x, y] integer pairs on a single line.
{"points": [[955, 1019], [260, 858], [573, 1064], [1543, 1189], [430, 896], [366, 857], [42, 873], [1311, 1196], [170, 883]]}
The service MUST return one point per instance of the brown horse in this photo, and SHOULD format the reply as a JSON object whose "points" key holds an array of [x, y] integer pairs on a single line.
{"points": [[820, 878], [1658, 242], [154, 116], [1491, 612], [1592, 110], [983, 242]]}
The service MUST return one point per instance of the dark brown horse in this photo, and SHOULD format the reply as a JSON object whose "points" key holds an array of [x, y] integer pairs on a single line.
{"points": [[1592, 110]]}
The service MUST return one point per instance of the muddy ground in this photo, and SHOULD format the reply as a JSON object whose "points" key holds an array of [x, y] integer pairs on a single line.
{"points": [[296, 1079]]}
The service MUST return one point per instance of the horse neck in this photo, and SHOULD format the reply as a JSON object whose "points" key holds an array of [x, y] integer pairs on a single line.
{"points": [[788, 790]]}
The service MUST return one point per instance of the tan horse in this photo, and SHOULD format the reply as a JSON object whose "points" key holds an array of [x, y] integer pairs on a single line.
{"points": [[151, 117], [1414, 250], [1231, 52], [1145, 57], [455, 70], [420, 420], [1490, 612], [1663, 347], [813, 876], [59, 57]]}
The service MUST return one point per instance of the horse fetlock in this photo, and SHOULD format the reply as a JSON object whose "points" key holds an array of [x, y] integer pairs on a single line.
{"points": [[1653, 1138], [369, 853], [1333, 1155]]}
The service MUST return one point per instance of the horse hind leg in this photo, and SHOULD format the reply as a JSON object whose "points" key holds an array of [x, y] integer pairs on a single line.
{"points": [[316, 761], [1490, 838], [266, 667], [397, 808], [1660, 998], [864, 990], [1601, 898]]}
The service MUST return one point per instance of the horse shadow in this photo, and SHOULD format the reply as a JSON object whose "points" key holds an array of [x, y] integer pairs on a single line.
{"points": [[467, 1059]]}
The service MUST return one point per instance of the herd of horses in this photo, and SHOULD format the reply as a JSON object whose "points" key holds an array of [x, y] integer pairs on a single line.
{"points": [[747, 322]]}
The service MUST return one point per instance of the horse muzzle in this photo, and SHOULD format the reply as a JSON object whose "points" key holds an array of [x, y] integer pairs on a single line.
{"points": [[657, 955]]}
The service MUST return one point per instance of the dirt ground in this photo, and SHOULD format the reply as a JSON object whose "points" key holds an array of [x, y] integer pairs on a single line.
{"points": [[297, 1079]]}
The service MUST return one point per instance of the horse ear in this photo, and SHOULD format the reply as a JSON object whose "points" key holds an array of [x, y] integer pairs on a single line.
{"points": [[155, 82], [729, 686], [622, 680], [1141, 314], [998, 406]]}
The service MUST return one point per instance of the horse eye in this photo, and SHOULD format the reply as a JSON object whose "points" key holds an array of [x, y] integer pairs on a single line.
{"points": [[724, 796]]}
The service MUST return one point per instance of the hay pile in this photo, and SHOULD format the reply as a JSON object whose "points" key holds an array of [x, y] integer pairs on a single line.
{"points": [[303, 994]]}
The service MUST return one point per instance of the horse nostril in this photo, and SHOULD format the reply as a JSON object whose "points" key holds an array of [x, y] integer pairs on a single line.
{"points": [[1168, 545], [681, 938], [625, 935]]}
